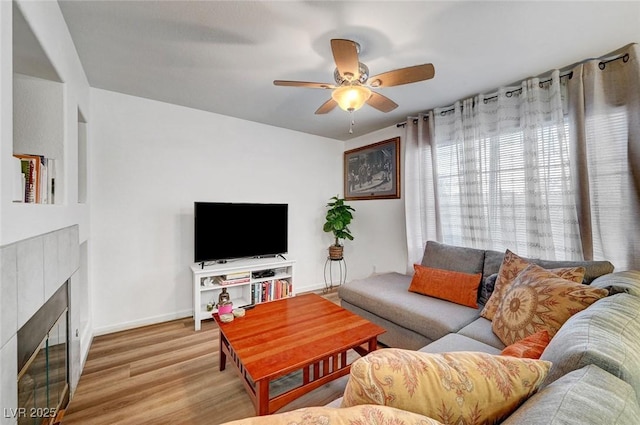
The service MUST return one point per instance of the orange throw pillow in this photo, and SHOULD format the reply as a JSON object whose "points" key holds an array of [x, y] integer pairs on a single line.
{"points": [[531, 347], [457, 287]]}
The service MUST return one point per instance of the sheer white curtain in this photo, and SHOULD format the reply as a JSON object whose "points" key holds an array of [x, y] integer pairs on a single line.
{"points": [[421, 203], [503, 177]]}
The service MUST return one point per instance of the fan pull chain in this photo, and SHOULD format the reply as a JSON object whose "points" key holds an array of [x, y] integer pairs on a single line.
{"points": [[353, 122]]}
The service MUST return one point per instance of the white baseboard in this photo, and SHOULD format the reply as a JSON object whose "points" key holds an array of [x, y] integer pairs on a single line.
{"points": [[178, 315], [142, 322], [309, 288]]}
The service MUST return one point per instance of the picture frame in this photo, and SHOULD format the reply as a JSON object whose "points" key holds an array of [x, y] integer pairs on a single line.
{"points": [[373, 171]]}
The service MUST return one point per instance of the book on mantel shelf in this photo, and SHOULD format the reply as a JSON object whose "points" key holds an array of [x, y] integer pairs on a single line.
{"points": [[38, 174]]}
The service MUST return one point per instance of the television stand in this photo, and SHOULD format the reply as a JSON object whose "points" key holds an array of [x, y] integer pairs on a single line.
{"points": [[245, 281]]}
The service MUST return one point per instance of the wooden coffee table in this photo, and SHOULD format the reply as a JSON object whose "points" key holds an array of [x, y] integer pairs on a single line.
{"points": [[305, 333]]}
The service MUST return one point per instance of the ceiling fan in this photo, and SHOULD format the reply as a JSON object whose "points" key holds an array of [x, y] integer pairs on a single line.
{"points": [[352, 88]]}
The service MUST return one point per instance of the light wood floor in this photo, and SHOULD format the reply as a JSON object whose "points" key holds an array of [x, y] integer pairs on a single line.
{"points": [[167, 374]]}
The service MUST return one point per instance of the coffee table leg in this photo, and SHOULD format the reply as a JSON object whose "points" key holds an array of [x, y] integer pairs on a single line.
{"points": [[373, 344], [262, 397], [223, 356]]}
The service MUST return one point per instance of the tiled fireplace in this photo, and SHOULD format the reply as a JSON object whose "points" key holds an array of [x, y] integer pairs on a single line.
{"points": [[36, 275]]}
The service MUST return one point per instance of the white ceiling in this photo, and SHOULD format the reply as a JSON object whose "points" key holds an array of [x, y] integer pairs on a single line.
{"points": [[222, 56]]}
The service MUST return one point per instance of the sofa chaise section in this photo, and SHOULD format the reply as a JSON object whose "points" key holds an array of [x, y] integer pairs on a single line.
{"points": [[414, 320]]}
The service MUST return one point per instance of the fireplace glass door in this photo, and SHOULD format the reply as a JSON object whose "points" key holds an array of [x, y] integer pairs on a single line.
{"points": [[42, 383]]}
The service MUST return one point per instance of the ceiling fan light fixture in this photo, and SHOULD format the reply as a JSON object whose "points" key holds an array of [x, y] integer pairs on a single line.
{"points": [[351, 98]]}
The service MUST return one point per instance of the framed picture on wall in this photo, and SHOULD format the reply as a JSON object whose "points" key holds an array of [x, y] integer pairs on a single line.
{"points": [[373, 171]]}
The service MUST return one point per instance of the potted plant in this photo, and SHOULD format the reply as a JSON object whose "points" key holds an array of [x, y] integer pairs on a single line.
{"points": [[338, 219]]}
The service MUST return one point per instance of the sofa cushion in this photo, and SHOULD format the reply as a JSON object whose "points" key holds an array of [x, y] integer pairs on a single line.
{"points": [[340, 416], [454, 388], [456, 342], [395, 335], [456, 258], [592, 269], [486, 288], [530, 347], [607, 334], [540, 300], [480, 330], [512, 265], [627, 281], [387, 295], [587, 396], [492, 262], [457, 287]]}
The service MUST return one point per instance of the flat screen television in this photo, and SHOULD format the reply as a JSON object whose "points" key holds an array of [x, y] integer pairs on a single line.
{"points": [[226, 230]]}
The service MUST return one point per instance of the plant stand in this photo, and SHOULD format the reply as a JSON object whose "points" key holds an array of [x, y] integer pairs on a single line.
{"points": [[328, 273]]}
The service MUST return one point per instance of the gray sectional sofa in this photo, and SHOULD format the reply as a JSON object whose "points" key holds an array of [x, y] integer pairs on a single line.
{"points": [[595, 373]]}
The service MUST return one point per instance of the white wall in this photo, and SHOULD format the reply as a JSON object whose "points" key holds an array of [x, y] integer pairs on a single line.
{"points": [[380, 243], [38, 120], [150, 161]]}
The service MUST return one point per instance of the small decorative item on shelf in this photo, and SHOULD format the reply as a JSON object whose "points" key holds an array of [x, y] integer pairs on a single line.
{"points": [[338, 219], [226, 307], [224, 302], [226, 317], [210, 306], [224, 296]]}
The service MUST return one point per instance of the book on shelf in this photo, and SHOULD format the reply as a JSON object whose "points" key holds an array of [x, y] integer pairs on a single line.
{"points": [[28, 169], [237, 275], [220, 280], [38, 174], [271, 290], [18, 181]]}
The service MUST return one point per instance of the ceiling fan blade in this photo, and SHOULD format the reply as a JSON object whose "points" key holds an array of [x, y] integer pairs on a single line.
{"points": [[303, 84], [381, 103], [345, 54], [327, 107], [410, 74]]}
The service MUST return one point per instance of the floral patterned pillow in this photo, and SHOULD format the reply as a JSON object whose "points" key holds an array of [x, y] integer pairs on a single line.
{"points": [[540, 300], [358, 415], [511, 266], [454, 388]]}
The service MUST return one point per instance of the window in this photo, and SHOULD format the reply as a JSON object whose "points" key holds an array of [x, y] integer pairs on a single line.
{"points": [[510, 190]]}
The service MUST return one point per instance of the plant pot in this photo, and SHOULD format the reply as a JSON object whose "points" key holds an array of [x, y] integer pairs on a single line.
{"points": [[335, 252]]}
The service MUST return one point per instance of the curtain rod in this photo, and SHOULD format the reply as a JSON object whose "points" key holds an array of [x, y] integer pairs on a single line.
{"points": [[602, 65], [510, 92], [415, 121], [486, 99]]}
